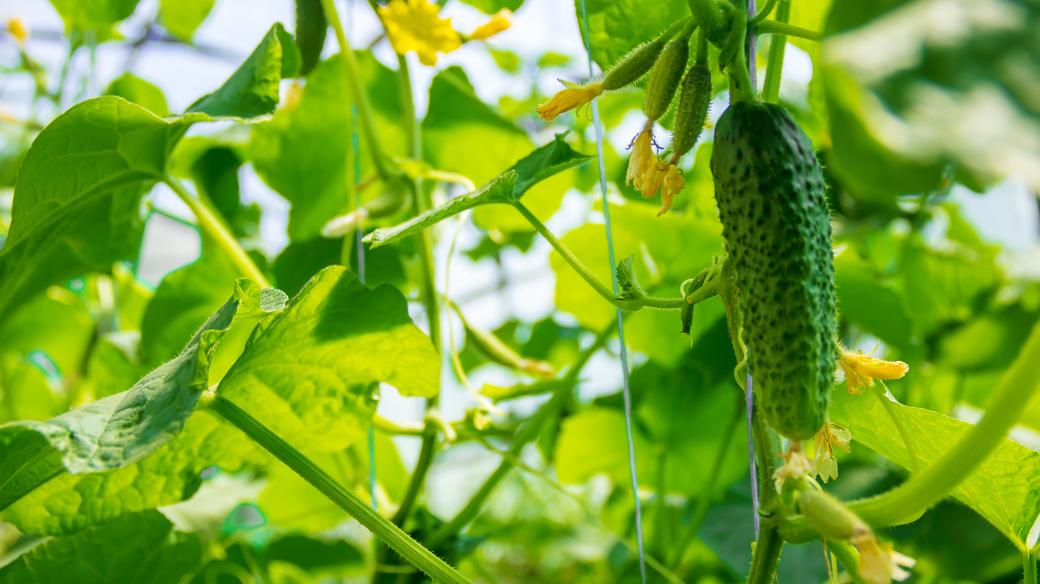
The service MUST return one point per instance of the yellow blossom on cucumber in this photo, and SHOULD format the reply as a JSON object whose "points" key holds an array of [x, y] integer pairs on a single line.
{"points": [[499, 22], [878, 562], [416, 25], [829, 437], [19, 31], [574, 96], [796, 465], [861, 370], [643, 158], [671, 185]]}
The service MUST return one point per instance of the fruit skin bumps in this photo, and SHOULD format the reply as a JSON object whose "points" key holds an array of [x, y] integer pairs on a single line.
{"points": [[771, 196]]}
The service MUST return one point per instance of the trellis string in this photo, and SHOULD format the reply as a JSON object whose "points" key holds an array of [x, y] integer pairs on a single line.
{"points": [[626, 393]]}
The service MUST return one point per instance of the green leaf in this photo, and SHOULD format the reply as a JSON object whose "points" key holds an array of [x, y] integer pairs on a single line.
{"points": [[140, 548], [58, 325], [308, 373], [311, 28], [136, 90], [252, 90], [1004, 489], [183, 301], [76, 204], [506, 188], [874, 303], [93, 16], [121, 429], [615, 26], [181, 17], [303, 152]]}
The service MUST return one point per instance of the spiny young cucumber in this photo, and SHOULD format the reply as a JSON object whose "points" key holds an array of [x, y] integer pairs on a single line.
{"points": [[772, 202], [667, 73], [692, 110], [638, 61], [828, 516]]}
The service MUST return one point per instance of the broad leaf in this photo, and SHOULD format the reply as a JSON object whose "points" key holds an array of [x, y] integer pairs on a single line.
{"points": [[123, 428], [309, 373], [303, 152], [136, 90], [97, 17], [182, 17], [506, 188], [615, 26], [77, 196], [1005, 489], [252, 90], [140, 548]]}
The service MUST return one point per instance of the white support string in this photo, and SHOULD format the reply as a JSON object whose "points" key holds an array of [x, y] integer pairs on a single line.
{"points": [[749, 398], [625, 391]]}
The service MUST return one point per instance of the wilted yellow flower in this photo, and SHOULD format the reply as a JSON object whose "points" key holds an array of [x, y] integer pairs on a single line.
{"points": [[499, 22], [20, 32], [671, 185], [861, 370], [829, 437], [643, 158], [416, 25], [796, 465], [575, 95], [878, 562]]}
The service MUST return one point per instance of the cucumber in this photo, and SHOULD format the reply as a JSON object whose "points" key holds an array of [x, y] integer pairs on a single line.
{"points": [[772, 201]]}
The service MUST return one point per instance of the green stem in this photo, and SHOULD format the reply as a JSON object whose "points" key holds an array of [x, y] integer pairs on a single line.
{"points": [[774, 27], [357, 90], [763, 13], [214, 227], [849, 558], [706, 13], [767, 556], [933, 483], [524, 434], [741, 88], [775, 64], [390, 427], [399, 541], [1029, 567]]}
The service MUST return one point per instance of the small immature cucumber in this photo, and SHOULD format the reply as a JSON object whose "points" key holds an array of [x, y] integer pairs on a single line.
{"points": [[828, 516], [631, 67], [694, 100], [667, 73], [772, 202]]}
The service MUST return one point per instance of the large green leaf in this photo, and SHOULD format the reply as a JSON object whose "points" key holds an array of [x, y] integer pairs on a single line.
{"points": [[1005, 489], [123, 428], [78, 191], [182, 17], [252, 90], [140, 548], [303, 151], [615, 26], [309, 373], [944, 77], [93, 16], [134, 89], [506, 188]]}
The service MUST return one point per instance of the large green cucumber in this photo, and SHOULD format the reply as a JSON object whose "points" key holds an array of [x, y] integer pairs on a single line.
{"points": [[776, 224]]}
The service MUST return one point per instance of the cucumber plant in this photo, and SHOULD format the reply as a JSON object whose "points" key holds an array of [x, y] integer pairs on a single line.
{"points": [[340, 406]]}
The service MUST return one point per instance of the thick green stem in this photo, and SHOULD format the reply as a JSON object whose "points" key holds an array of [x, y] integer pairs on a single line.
{"points": [[767, 555], [214, 228], [848, 557], [357, 90], [706, 13], [774, 27], [775, 64], [930, 485], [399, 541]]}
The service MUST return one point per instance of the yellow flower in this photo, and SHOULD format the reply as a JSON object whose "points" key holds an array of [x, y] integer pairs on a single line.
{"points": [[878, 562], [415, 25], [20, 32], [829, 437], [575, 95], [643, 158], [670, 186], [499, 22], [861, 370]]}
